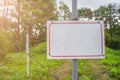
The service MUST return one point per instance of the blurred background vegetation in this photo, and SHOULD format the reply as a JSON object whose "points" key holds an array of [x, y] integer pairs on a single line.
{"points": [[18, 16]]}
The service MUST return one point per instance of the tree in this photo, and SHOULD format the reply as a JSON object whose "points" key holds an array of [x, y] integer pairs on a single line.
{"points": [[110, 16], [101, 13], [5, 43], [4, 15], [64, 11], [85, 13], [33, 15]]}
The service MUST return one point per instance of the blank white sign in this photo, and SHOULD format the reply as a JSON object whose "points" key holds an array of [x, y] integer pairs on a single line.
{"points": [[75, 39]]}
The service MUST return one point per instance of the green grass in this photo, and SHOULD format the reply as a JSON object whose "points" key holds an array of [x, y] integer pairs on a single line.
{"points": [[112, 63], [14, 66], [101, 69]]}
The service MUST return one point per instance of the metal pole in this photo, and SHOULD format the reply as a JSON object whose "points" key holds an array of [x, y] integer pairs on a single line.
{"points": [[74, 17], [74, 10], [74, 70], [27, 54]]}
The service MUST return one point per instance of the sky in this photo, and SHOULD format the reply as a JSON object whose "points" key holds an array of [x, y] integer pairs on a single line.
{"points": [[93, 4]]}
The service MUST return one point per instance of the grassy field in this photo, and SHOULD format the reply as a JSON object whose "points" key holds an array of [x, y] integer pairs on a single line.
{"points": [[14, 66]]}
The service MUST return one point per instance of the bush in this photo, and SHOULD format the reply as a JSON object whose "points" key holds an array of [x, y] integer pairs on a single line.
{"points": [[112, 39], [115, 44], [5, 43], [115, 72]]}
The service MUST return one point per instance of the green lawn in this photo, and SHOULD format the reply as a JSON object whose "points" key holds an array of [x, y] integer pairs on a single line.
{"points": [[14, 66]]}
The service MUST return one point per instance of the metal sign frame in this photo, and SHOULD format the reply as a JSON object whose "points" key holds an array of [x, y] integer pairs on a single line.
{"points": [[49, 27]]}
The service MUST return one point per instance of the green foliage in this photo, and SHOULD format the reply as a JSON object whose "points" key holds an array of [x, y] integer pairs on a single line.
{"points": [[113, 72], [84, 77], [40, 48], [81, 64], [34, 15], [14, 65], [115, 41], [85, 13], [109, 15], [30, 15], [111, 63], [64, 11], [11, 69], [105, 69], [4, 43], [101, 12]]}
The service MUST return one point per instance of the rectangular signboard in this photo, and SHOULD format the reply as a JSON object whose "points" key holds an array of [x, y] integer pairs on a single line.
{"points": [[75, 39]]}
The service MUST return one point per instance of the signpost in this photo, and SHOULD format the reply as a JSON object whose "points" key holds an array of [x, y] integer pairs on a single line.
{"points": [[75, 62], [75, 39]]}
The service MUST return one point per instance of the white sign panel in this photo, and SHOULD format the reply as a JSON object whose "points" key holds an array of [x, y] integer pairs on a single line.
{"points": [[75, 39]]}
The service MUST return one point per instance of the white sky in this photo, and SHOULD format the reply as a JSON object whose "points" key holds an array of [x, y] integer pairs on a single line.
{"points": [[93, 4]]}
